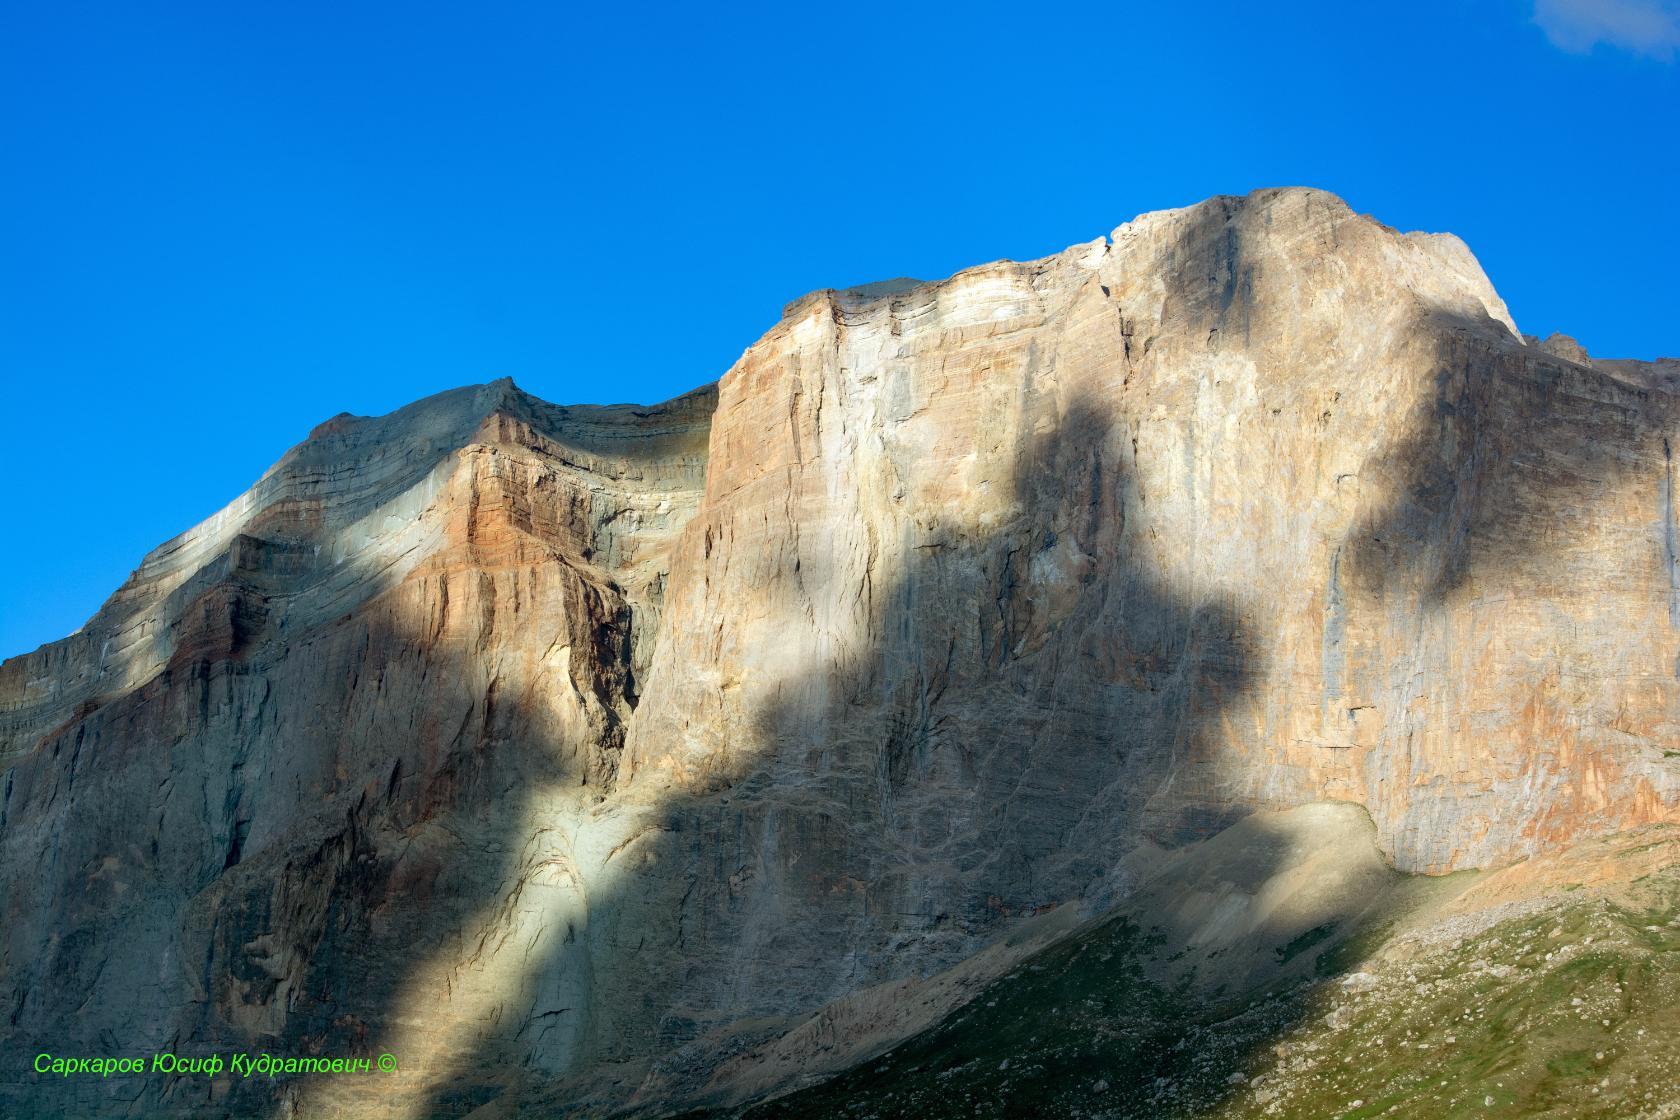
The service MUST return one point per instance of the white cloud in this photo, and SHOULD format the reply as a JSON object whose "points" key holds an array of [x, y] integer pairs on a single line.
{"points": [[1647, 27]]}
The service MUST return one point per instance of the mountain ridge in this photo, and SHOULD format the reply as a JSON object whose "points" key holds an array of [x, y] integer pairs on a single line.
{"points": [[634, 757]]}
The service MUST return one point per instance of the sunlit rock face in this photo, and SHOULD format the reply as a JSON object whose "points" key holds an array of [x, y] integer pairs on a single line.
{"points": [[578, 755]]}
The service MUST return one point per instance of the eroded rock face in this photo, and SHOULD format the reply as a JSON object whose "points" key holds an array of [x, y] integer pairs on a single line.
{"points": [[373, 694], [578, 755]]}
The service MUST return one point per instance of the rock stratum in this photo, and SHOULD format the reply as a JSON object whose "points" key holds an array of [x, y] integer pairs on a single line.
{"points": [[1245, 574]]}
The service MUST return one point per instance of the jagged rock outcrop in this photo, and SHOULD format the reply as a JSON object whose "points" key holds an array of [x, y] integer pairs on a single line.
{"points": [[610, 757]]}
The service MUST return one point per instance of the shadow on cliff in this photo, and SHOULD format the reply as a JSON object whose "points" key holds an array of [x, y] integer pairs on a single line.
{"points": [[1021, 780], [1504, 461], [277, 826], [1509, 461], [1031, 700], [402, 880]]}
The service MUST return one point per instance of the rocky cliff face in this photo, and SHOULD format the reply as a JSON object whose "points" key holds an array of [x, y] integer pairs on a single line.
{"points": [[623, 758]]}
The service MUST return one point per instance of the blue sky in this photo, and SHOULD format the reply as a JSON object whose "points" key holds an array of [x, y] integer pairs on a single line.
{"points": [[222, 223]]}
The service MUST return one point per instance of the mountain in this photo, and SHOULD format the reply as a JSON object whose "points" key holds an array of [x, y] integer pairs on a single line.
{"points": [[1167, 641]]}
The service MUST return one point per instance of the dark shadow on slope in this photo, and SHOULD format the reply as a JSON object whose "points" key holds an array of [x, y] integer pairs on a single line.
{"points": [[1061, 741], [1028, 699], [992, 756], [1511, 459], [225, 801], [1159, 1010]]}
